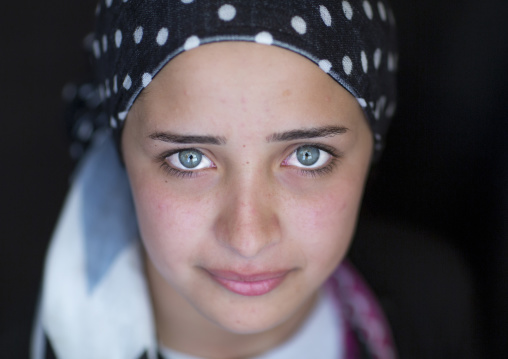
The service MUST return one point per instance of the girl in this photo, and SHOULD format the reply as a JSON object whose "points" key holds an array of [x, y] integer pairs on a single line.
{"points": [[213, 220]]}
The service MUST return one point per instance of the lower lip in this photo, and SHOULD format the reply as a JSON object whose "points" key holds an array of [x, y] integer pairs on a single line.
{"points": [[249, 287]]}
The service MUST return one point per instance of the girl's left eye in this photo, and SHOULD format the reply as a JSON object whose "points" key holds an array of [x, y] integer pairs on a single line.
{"points": [[308, 157], [189, 160]]}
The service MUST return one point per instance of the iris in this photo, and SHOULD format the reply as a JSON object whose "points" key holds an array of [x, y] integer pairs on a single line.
{"points": [[190, 158], [307, 155]]}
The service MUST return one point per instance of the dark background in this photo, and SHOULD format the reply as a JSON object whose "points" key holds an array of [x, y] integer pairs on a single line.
{"points": [[445, 167]]}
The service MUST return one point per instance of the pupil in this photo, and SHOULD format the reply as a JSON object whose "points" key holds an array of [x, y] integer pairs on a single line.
{"points": [[190, 158], [307, 155]]}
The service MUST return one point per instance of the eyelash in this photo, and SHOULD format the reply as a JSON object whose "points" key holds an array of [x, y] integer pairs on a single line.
{"points": [[333, 162], [175, 172], [322, 171]]}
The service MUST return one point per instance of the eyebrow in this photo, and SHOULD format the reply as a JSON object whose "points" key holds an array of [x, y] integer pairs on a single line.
{"points": [[187, 139], [314, 132]]}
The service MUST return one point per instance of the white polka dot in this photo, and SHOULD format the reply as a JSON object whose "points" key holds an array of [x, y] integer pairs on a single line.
{"points": [[378, 108], [127, 83], [391, 17], [108, 3], [365, 62], [390, 109], [138, 34], [227, 12], [98, 9], [187, 1], [264, 37], [146, 79], [325, 15], [325, 65], [112, 122], [377, 58], [368, 9], [377, 136], [348, 10], [362, 102], [102, 95], [118, 38], [162, 36], [122, 115], [392, 62], [347, 64], [191, 43], [299, 25], [96, 49], [108, 91], [115, 84], [104, 43], [125, 0], [382, 10]]}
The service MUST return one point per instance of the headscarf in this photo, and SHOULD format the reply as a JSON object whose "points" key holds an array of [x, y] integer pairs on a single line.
{"points": [[353, 41]]}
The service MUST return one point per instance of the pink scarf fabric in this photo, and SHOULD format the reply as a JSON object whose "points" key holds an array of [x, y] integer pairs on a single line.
{"points": [[368, 334]]}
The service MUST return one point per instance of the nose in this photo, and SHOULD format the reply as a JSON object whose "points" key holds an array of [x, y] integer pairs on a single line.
{"points": [[248, 221]]}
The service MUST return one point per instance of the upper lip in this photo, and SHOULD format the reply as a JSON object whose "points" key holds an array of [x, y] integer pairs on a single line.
{"points": [[247, 277]]}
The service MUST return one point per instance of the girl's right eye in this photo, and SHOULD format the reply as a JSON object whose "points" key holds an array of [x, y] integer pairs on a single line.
{"points": [[189, 160]]}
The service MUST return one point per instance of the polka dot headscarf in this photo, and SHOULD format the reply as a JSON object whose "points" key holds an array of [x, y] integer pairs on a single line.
{"points": [[353, 41]]}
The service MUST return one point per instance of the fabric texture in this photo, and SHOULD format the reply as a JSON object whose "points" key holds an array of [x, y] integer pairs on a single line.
{"points": [[95, 301], [353, 41]]}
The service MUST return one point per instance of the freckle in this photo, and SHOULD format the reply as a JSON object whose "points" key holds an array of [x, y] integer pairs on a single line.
{"points": [[243, 146], [247, 163], [286, 92]]}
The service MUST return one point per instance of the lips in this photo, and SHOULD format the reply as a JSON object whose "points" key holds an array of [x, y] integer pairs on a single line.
{"points": [[249, 285]]}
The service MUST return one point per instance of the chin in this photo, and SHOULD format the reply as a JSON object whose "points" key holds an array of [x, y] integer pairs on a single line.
{"points": [[248, 316], [250, 324]]}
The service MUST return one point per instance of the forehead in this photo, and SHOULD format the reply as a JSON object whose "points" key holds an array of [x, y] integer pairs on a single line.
{"points": [[242, 80]]}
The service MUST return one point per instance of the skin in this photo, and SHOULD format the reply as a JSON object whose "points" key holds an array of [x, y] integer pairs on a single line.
{"points": [[253, 208]]}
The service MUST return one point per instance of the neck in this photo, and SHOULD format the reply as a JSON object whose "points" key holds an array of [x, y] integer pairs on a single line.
{"points": [[182, 328]]}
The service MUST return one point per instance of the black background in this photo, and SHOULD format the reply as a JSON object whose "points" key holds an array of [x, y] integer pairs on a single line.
{"points": [[445, 167]]}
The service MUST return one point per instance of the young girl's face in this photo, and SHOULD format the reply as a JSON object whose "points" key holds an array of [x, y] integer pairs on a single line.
{"points": [[247, 164]]}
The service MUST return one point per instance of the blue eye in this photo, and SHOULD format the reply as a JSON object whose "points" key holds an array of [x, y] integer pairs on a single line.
{"points": [[190, 158], [308, 157]]}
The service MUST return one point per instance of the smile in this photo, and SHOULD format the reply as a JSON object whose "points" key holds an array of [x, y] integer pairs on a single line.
{"points": [[249, 285]]}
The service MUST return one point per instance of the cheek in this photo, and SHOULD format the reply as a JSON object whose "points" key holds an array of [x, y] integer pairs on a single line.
{"points": [[171, 225], [324, 224]]}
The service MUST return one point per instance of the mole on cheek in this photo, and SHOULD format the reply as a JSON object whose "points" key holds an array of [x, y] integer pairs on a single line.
{"points": [[286, 92]]}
